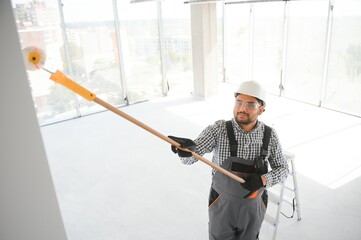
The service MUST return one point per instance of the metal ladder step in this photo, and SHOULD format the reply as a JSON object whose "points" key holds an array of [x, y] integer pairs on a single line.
{"points": [[274, 198]]}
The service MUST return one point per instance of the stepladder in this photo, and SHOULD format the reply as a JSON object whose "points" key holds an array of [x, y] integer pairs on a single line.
{"points": [[282, 194]]}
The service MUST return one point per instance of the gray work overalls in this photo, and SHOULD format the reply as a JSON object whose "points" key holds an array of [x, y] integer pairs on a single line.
{"points": [[234, 212]]}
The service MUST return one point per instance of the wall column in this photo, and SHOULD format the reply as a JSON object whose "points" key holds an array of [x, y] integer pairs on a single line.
{"points": [[204, 47]]}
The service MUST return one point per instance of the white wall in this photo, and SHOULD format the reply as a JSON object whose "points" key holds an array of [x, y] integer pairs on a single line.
{"points": [[204, 48], [28, 205]]}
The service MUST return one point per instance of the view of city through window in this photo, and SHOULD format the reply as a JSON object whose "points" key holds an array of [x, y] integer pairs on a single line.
{"points": [[126, 53], [116, 53]]}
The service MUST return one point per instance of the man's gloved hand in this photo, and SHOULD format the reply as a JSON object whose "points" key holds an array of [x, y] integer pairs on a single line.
{"points": [[253, 183], [184, 143]]}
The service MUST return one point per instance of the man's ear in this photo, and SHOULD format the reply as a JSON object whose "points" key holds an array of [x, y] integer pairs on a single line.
{"points": [[261, 109]]}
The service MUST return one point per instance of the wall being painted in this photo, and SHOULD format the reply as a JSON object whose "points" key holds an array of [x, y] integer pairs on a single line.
{"points": [[28, 205]]}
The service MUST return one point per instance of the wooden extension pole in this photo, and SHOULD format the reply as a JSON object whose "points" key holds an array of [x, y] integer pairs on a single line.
{"points": [[61, 78], [165, 138]]}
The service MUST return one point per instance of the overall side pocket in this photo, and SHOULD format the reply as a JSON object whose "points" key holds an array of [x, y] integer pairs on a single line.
{"points": [[265, 198], [213, 197]]}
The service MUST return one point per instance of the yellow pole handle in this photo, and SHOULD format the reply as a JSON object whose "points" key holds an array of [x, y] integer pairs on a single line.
{"points": [[61, 78]]}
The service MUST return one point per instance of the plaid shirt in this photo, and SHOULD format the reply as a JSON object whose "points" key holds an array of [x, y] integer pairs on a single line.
{"points": [[214, 139]]}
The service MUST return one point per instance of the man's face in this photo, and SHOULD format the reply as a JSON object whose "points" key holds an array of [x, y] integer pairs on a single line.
{"points": [[246, 109]]}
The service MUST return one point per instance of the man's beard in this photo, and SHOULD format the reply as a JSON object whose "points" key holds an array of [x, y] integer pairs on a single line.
{"points": [[244, 121]]}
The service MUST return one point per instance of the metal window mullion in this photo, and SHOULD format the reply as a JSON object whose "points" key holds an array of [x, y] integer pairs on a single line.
{"points": [[67, 54], [223, 43], [162, 50], [120, 52], [251, 41], [327, 51], [284, 47]]}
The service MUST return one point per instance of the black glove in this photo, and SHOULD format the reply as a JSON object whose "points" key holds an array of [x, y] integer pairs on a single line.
{"points": [[253, 183], [184, 143]]}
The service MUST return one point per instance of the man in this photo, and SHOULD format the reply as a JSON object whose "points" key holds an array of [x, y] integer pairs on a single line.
{"points": [[236, 210]]}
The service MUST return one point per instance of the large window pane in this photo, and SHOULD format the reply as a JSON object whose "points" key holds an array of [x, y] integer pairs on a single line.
{"points": [[267, 44], [220, 37], [38, 25], [237, 42], [140, 49], [343, 88], [93, 58], [177, 46], [306, 50]]}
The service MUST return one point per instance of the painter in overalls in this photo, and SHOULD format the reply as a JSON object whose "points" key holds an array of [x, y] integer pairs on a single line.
{"points": [[249, 149]]}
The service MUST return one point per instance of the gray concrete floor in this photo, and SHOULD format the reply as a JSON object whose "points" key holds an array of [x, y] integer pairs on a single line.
{"points": [[116, 181]]}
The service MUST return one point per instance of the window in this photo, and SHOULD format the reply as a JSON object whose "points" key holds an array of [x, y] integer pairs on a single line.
{"points": [[305, 59], [91, 53], [267, 44], [343, 86], [143, 50], [38, 25], [177, 46], [124, 55], [237, 43], [140, 48]]}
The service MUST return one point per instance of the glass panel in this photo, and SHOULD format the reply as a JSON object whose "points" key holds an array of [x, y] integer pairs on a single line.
{"points": [[343, 88], [306, 50], [140, 50], [237, 50], [177, 46], [267, 44], [38, 25], [220, 6], [93, 52]]}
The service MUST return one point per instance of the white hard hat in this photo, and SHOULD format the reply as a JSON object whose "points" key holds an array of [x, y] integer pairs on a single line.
{"points": [[252, 88]]}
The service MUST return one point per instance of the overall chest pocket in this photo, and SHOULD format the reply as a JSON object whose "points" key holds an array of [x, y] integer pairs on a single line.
{"points": [[243, 168]]}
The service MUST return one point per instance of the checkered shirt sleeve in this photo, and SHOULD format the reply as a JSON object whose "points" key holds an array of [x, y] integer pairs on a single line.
{"points": [[214, 139]]}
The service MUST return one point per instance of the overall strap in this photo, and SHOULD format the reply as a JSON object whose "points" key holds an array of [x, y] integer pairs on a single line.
{"points": [[233, 144], [261, 164], [266, 139]]}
